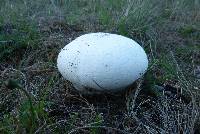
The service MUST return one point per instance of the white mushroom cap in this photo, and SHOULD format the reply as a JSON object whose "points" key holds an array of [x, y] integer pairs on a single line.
{"points": [[102, 61]]}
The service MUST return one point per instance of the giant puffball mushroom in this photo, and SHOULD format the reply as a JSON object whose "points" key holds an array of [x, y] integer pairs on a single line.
{"points": [[102, 62]]}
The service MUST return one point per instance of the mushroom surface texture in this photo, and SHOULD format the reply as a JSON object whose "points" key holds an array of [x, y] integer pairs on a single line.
{"points": [[102, 62]]}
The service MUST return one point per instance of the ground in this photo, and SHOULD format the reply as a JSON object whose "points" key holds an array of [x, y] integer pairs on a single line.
{"points": [[35, 98]]}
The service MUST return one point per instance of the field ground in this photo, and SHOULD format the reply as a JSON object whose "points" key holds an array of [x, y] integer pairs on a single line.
{"points": [[34, 97]]}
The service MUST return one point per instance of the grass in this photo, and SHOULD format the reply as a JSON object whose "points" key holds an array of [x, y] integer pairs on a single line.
{"points": [[165, 100], [16, 37]]}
